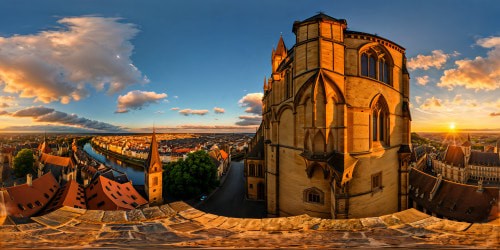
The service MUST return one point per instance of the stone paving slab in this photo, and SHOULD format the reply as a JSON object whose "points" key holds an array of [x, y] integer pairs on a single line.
{"points": [[92, 216], [193, 228], [114, 216], [191, 213], [135, 215], [179, 206], [153, 213], [372, 222], [167, 209]]}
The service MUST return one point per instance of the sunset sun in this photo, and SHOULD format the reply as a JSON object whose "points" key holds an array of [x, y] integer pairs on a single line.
{"points": [[452, 126]]}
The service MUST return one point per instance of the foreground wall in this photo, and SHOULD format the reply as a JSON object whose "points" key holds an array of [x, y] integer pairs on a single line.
{"points": [[179, 225]]}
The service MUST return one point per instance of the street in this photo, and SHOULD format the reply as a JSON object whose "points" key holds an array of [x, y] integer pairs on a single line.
{"points": [[230, 199]]}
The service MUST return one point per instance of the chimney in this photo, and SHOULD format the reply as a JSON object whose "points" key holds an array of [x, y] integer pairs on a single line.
{"points": [[29, 180]]}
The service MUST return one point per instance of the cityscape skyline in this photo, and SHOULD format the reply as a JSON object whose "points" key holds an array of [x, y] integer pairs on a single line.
{"points": [[201, 69]]}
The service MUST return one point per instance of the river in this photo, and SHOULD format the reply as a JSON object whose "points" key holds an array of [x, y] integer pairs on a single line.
{"points": [[134, 173]]}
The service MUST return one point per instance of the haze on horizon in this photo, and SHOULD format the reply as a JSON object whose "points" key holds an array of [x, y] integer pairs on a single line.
{"points": [[198, 66]]}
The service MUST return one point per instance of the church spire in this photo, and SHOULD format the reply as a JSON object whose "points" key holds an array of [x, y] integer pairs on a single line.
{"points": [[281, 48], [153, 163]]}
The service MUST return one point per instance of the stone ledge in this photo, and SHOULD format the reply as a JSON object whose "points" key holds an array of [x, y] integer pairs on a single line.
{"points": [[177, 225]]}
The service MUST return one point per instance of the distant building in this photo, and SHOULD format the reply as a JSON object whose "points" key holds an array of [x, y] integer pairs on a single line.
{"points": [[461, 164], [336, 124], [153, 171], [254, 168], [63, 168], [71, 194]]}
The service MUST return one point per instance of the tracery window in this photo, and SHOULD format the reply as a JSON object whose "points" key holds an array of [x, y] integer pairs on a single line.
{"points": [[375, 64], [380, 121]]}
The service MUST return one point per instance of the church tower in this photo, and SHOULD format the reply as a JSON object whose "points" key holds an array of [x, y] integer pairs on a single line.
{"points": [[153, 171]]}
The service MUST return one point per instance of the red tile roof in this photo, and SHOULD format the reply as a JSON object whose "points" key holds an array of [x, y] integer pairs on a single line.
{"points": [[106, 194], [224, 154], [25, 201], [71, 195], [57, 160]]}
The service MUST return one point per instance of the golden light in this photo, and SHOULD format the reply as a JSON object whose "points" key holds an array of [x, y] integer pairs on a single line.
{"points": [[452, 126]]}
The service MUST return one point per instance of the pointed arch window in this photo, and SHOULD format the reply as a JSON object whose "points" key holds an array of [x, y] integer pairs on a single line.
{"points": [[374, 125], [375, 63], [364, 64], [380, 121]]}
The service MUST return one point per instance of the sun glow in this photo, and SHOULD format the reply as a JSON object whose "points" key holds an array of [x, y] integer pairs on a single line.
{"points": [[452, 126]]}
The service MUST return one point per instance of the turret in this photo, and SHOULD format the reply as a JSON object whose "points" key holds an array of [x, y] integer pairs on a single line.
{"points": [[278, 55]]}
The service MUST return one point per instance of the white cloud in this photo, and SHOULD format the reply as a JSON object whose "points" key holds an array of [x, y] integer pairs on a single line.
{"points": [[187, 112], [436, 60], [137, 99], [480, 73], [160, 112], [252, 102], [50, 115], [59, 65], [218, 110], [418, 99], [247, 120], [175, 109], [423, 80], [432, 103]]}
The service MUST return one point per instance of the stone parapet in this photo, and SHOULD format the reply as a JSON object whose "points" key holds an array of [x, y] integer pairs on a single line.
{"points": [[179, 225]]}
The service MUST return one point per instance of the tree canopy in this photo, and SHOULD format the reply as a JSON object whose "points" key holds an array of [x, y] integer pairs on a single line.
{"points": [[188, 178], [23, 162]]}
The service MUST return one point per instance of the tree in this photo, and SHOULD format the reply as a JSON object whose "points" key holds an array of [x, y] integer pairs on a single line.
{"points": [[191, 177], [23, 162]]}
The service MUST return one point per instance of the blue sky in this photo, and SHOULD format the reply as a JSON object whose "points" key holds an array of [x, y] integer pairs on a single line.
{"points": [[198, 55]]}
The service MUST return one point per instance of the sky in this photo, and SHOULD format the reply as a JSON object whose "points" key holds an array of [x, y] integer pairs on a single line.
{"points": [[199, 66]]}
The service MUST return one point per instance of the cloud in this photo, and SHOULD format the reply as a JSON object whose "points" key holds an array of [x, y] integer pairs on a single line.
{"points": [[60, 64], [480, 73], [436, 60], [3, 112], [247, 120], [137, 99], [219, 110], [176, 97], [175, 109], [33, 112], [43, 114], [4, 105], [495, 114], [48, 128], [159, 112], [187, 112], [418, 99], [252, 102], [431, 104], [423, 80], [457, 99], [189, 128]]}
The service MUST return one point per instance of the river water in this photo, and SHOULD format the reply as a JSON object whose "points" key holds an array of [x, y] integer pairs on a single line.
{"points": [[134, 173]]}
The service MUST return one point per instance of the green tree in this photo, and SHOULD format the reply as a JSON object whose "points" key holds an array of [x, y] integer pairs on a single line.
{"points": [[191, 177], [23, 162]]}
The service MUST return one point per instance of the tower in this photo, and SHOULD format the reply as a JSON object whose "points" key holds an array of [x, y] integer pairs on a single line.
{"points": [[153, 181], [336, 123]]}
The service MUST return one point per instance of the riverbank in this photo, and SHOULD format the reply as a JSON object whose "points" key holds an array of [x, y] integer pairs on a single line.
{"points": [[132, 161]]}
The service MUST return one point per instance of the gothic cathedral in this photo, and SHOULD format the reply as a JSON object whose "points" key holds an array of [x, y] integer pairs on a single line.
{"points": [[153, 171], [335, 132]]}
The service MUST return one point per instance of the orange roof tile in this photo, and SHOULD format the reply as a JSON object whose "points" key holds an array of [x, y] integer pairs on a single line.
{"points": [[71, 195], [25, 201], [57, 160], [224, 154], [106, 194]]}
